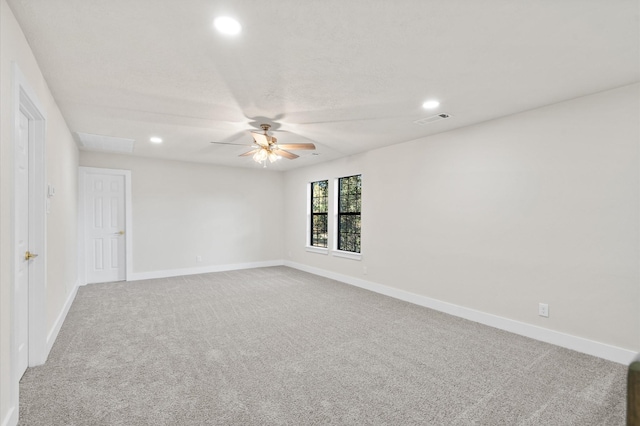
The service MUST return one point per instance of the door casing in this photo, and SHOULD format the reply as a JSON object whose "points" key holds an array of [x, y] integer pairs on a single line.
{"points": [[25, 100], [82, 259]]}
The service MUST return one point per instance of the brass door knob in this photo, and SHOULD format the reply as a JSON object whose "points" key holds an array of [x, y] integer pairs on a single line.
{"points": [[28, 255], [119, 233]]}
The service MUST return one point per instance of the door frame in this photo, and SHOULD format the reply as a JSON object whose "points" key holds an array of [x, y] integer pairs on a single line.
{"points": [[128, 234], [26, 101]]}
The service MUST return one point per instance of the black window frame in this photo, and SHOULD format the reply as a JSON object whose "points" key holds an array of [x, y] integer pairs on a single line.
{"points": [[319, 217], [348, 240]]}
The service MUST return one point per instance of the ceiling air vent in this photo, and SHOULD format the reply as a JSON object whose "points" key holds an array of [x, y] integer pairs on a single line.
{"points": [[432, 119], [105, 143]]}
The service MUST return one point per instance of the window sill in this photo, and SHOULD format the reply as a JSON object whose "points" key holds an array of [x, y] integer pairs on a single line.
{"points": [[347, 254], [319, 250]]}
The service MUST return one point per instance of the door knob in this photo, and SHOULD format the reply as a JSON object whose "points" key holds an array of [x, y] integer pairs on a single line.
{"points": [[119, 233], [28, 255]]}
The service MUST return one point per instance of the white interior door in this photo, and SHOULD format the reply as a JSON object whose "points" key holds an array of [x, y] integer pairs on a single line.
{"points": [[104, 220], [22, 244]]}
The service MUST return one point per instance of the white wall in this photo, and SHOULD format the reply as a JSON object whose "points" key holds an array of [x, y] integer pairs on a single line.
{"points": [[61, 171], [182, 210], [541, 206]]}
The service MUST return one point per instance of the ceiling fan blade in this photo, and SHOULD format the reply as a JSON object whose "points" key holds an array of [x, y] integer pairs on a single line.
{"points": [[246, 154], [285, 154], [228, 143], [296, 146], [261, 139]]}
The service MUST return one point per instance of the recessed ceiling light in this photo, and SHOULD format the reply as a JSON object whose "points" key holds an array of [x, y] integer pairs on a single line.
{"points": [[430, 104], [155, 139], [227, 25]]}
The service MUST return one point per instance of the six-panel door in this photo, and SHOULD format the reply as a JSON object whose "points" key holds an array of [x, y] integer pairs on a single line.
{"points": [[105, 227]]}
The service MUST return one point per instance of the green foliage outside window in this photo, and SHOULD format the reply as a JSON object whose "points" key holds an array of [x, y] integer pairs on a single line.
{"points": [[349, 206], [319, 210]]}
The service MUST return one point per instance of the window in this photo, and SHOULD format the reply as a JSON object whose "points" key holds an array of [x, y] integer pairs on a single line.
{"points": [[319, 213], [349, 194]]}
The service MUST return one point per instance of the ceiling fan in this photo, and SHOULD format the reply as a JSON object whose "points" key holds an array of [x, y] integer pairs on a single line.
{"points": [[266, 147]]}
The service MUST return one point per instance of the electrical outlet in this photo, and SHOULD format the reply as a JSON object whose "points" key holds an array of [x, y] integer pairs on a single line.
{"points": [[199, 259], [364, 270], [543, 310]]}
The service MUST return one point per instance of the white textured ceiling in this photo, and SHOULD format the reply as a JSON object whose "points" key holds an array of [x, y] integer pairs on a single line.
{"points": [[348, 75]]}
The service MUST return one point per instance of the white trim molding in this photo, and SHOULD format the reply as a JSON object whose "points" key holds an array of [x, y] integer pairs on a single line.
{"points": [[346, 254], [11, 419], [137, 276], [53, 334], [26, 101], [579, 344], [319, 250]]}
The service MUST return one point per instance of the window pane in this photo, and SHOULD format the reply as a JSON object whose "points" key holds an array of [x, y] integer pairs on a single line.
{"points": [[319, 230], [319, 208], [319, 223], [349, 205], [319, 196]]}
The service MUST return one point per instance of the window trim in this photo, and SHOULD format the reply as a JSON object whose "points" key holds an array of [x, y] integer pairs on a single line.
{"points": [[319, 250], [347, 254], [308, 246], [336, 206]]}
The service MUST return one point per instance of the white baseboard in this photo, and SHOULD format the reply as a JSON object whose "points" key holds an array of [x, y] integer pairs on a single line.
{"points": [[590, 347], [53, 334], [137, 276], [11, 419]]}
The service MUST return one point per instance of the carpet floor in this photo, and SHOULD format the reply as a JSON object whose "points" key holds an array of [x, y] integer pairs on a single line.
{"points": [[277, 346]]}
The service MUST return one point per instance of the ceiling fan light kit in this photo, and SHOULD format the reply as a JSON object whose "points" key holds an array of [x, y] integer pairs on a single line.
{"points": [[266, 147], [264, 154]]}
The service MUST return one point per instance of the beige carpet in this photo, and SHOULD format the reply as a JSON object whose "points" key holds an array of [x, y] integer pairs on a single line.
{"points": [[276, 346]]}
